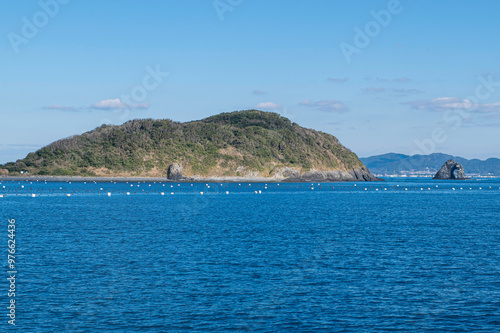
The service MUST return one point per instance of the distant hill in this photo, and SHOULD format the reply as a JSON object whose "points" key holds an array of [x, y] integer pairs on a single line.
{"points": [[237, 144], [400, 164]]}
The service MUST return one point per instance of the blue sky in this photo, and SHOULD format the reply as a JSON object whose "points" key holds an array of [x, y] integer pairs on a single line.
{"points": [[383, 76]]}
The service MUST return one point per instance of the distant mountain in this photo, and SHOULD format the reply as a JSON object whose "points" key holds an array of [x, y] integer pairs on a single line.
{"points": [[400, 164], [238, 144]]}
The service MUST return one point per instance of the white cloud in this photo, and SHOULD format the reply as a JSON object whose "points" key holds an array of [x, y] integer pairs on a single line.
{"points": [[452, 103], [269, 106], [117, 104], [327, 105]]}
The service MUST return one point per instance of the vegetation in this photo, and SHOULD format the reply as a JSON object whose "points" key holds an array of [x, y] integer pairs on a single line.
{"points": [[227, 144]]}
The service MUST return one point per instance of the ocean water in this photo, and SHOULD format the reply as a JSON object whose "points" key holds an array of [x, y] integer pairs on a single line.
{"points": [[402, 255]]}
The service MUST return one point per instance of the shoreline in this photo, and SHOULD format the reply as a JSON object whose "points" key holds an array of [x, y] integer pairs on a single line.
{"points": [[167, 180]]}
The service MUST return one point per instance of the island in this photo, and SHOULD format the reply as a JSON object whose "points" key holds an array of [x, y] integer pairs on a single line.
{"points": [[251, 145]]}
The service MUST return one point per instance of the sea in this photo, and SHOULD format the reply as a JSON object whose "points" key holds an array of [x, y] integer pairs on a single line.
{"points": [[404, 255]]}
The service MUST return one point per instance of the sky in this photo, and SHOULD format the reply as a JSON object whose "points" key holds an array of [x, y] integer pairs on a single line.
{"points": [[411, 77]]}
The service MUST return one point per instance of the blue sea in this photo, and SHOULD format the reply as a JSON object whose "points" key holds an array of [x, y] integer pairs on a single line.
{"points": [[403, 255]]}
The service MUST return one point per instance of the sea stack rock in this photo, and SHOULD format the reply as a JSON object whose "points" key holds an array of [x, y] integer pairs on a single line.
{"points": [[175, 172], [447, 171]]}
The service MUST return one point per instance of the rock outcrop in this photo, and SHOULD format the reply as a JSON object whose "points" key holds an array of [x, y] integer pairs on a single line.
{"points": [[4, 172], [361, 174], [447, 171], [174, 172]]}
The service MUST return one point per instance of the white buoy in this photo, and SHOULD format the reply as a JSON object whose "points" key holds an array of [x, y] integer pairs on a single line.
{"points": [[1, 195], [109, 194], [227, 192], [162, 193], [68, 195], [260, 191], [201, 193], [22, 186], [128, 193], [33, 195], [173, 193]]}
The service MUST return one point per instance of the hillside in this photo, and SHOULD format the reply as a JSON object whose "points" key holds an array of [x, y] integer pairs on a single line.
{"points": [[238, 144], [399, 164]]}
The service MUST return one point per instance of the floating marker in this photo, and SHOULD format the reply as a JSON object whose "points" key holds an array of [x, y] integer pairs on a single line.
{"points": [[109, 194], [162, 193], [128, 193], [33, 195], [227, 192]]}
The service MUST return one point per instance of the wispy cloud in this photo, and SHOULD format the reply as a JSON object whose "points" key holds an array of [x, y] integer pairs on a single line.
{"points": [[21, 146], [407, 91], [401, 79], [375, 90], [381, 79], [61, 108], [452, 103], [327, 105], [338, 80], [117, 104], [269, 106], [107, 104], [258, 92]]}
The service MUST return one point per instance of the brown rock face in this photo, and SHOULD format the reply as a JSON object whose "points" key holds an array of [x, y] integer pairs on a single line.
{"points": [[4, 172], [175, 172]]}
